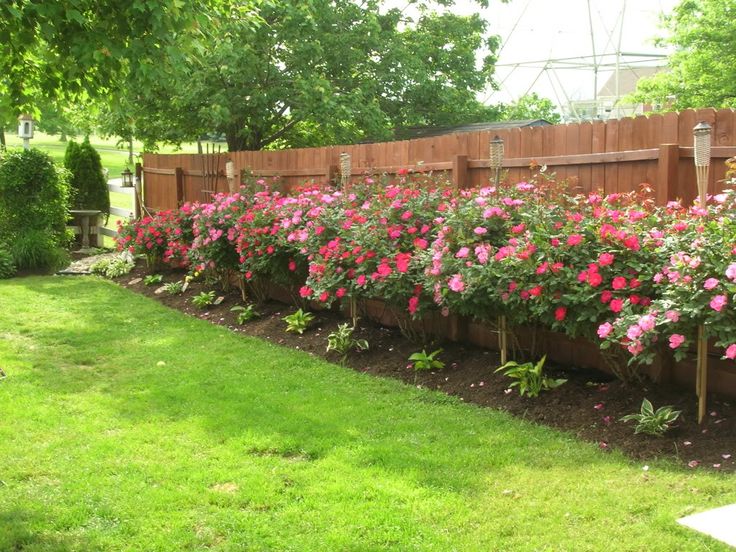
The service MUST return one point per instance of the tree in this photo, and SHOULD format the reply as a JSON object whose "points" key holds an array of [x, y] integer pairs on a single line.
{"points": [[53, 51], [88, 184], [530, 106], [703, 65], [312, 72]]}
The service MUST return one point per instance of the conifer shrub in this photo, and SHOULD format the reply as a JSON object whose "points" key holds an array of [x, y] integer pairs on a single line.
{"points": [[88, 184]]}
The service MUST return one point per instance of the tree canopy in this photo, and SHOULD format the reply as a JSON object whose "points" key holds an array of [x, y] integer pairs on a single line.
{"points": [[311, 72], [703, 64]]}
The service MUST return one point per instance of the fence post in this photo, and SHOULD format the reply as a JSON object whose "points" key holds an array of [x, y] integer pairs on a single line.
{"points": [[331, 174], [179, 172], [667, 171], [460, 171], [138, 197]]}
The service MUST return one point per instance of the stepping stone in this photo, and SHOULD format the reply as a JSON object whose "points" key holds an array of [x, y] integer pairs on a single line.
{"points": [[717, 523], [219, 300], [135, 281], [160, 290], [185, 287]]}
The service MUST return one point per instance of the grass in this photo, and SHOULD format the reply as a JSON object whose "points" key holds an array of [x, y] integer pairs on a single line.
{"points": [[158, 431]]}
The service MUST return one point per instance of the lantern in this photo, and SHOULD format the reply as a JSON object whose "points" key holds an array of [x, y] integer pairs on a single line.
{"points": [[345, 169], [127, 178], [496, 159], [25, 129], [701, 139]]}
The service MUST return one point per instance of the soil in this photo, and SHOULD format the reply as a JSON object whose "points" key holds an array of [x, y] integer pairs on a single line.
{"points": [[590, 405]]}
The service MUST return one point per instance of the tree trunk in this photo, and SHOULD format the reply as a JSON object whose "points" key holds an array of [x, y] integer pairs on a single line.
{"points": [[236, 142], [130, 151], [2, 139]]}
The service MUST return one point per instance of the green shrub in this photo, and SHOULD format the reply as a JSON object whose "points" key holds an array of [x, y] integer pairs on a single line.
{"points": [[530, 377], [34, 202], [37, 249], [427, 361], [88, 184], [7, 265], [113, 267]]}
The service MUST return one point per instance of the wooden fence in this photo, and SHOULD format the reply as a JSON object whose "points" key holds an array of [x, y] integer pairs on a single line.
{"points": [[614, 156]]}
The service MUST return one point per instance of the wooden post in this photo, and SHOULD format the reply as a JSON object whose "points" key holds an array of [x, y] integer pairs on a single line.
{"points": [[138, 196], [460, 172], [701, 375], [179, 173], [502, 339], [331, 174], [667, 171]]}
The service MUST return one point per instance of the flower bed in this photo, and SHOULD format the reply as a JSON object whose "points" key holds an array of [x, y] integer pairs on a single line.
{"points": [[617, 270]]}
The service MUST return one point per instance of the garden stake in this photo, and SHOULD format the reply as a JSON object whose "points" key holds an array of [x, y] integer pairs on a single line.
{"points": [[502, 339], [701, 136]]}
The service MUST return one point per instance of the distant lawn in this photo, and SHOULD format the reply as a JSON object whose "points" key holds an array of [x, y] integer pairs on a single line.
{"points": [[128, 426]]}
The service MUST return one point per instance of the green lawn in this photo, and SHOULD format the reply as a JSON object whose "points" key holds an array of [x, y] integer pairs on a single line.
{"points": [[128, 426]]}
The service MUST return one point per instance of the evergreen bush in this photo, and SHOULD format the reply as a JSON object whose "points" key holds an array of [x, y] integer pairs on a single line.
{"points": [[88, 184], [34, 208], [7, 265]]}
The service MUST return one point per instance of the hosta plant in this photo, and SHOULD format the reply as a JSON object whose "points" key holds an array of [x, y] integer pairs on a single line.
{"points": [[650, 421], [298, 322], [203, 299], [113, 267], [153, 279], [427, 361], [342, 341], [530, 377], [245, 313], [174, 288]]}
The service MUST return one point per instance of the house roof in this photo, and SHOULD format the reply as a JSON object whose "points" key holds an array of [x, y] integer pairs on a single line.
{"points": [[627, 79], [408, 133]]}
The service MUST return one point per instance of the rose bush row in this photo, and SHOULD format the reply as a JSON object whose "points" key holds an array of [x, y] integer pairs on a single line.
{"points": [[614, 268]]}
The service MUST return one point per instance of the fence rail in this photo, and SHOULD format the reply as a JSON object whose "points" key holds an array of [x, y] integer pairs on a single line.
{"points": [[614, 156]]}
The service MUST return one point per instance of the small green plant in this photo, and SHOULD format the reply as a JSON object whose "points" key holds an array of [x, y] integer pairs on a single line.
{"points": [[342, 342], [298, 322], [650, 421], [424, 361], [7, 266], [113, 267], [174, 288], [204, 299], [153, 279], [245, 314], [530, 377]]}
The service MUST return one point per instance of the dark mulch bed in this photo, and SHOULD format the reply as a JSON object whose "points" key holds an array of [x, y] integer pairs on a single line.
{"points": [[589, 405]]}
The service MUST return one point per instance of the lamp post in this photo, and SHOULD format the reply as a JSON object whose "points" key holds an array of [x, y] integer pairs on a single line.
{"points": [[25, 130], [495, 162], [701, 139], [345, 169], [496, 158]]}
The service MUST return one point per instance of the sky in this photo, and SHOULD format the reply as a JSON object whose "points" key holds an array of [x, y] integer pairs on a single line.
{"points": [[542, 30]]}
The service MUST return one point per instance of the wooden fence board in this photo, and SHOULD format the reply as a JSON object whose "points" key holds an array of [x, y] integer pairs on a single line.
{"points": [[615, 156]]}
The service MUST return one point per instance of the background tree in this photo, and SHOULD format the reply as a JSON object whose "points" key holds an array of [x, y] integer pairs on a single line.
{"points": [[528, 107], [703, 65], [87, 181], [313, 72]]}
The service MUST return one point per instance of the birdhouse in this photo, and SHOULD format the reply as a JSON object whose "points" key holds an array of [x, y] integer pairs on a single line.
{"points": [[25, 127]]}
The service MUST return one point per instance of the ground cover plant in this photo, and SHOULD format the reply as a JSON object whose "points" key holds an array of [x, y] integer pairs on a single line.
{"points": [[197, 437]]}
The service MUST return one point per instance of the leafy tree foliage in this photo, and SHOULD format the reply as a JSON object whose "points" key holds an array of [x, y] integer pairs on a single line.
{"points": [[531, 106], [311, 72], [703, 65]]}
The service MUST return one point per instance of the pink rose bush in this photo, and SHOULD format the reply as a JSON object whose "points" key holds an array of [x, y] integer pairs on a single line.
{"points": [[614, 269]]}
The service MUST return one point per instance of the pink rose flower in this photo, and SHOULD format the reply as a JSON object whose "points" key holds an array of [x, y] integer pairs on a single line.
{"points": [[456, 283], [560, 313], [462, 253], [647, 322], [718, 302], [731, 272], [605, 259], [604, 330], [672, 316], [619, 282], [574, 239], [479, 230], [676, 340], [710, 283], [731, 351]]}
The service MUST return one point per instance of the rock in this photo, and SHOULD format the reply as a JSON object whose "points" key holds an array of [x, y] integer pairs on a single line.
{"points": [[160, 290], [219, 300], [135, 281]]}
